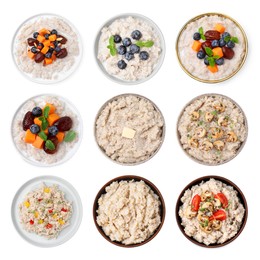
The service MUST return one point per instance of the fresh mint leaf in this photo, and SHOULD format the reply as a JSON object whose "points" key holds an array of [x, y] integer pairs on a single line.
{"points": [[227, 39], [43, 136], [209, 51], [70, 136], [147, 44], [45, 124], [46, 111], [201, 32], [50, 145], [234, 39], [211, 61], [216, 57], [112, 46]]}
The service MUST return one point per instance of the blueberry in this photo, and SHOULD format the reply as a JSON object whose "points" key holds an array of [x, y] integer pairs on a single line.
{"points": [[230, 44], [57, 49], [53, 130], [127, 42], [222, 43], [220, 61], [54, 31], [35, 129], [225, 34], [48, 55], [136, 35], [35, 35], [201, 54], [196, 36], [56, 43], [40, 45], [215, 43], [34, 50], [129, 55], [121, 65], [121, 50], [37, 111], [134, 48], [206, 62], [144, 55], [51, 49], [117, 38], [46, 36]]}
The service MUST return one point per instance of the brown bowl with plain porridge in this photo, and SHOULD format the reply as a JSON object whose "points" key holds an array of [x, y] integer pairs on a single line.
{"points": [[212, 129], [211, 211], [129, 129], [211, 47], [129, 211]]}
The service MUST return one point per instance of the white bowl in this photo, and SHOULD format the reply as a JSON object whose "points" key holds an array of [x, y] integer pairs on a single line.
{"points": [[29, 155], [19, 39], [162, 45], [70, 194]]}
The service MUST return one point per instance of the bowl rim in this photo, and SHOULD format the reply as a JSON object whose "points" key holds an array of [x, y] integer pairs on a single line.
{"points": [[198, 181], [77, 62], [129, 178], [240, 147], [157, 66], [156, 109], [80, 126], [215, 80]]}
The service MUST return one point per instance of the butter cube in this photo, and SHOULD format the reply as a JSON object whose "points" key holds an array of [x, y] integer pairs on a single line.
{"points": [[128, 133]]}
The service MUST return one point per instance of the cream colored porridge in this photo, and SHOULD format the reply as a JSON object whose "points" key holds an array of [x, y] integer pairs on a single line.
{"points": [[129, 129], [211, 212], [60, 50], [230, 55], [31, 140], [129, 212], [212, 129], [129, 61]]}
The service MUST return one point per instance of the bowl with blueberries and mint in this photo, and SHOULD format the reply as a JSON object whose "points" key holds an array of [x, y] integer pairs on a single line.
{"points": [[129, 48]]}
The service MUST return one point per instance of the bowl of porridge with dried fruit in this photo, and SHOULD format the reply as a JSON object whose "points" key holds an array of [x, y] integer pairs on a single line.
{"points": [[211, 211], [212, 129], [211, 47], [129, 48], [46, 130], [46, 48]]}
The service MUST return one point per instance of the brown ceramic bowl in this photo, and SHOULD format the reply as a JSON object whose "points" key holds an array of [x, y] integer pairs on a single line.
{"points": [[128, 178], [198, 181]]}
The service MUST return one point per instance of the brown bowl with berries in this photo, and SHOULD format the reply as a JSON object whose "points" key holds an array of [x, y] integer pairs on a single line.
{"points": [[211, 47], [211, 211]]}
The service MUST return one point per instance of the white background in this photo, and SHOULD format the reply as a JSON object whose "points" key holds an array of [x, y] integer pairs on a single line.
{"points": [[170, 170]]}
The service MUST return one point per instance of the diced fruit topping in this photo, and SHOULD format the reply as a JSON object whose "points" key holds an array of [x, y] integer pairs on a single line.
{"points": [[136, 35], [45, 129], [134, 48], [35, 129], [117, 38], [216, 46], [121, 64], [46, 46], [144, 55]]}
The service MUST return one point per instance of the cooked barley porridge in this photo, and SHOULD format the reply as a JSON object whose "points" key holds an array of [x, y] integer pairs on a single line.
{"points": [[46, 130], [129, 212], [211, 47], [212, 129], [46, 48], [211, 212], [45, 211], [129, 129], [129, 48]]}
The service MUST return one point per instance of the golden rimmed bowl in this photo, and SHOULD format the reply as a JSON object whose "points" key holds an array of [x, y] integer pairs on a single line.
{"points": [[201, 79]]}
